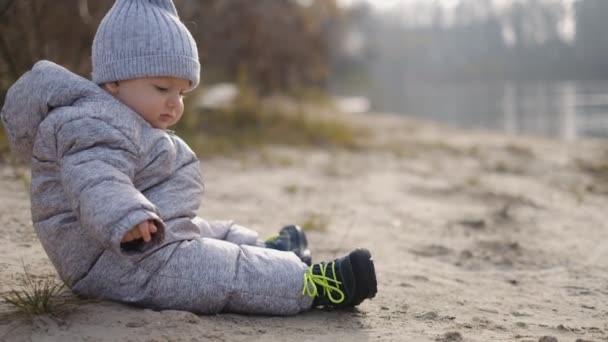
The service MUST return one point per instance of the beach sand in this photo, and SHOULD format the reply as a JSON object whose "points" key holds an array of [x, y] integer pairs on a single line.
{"points": [[476, 236]]}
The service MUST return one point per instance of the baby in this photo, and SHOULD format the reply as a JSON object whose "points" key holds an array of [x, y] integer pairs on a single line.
{"points": [[114, 194]]}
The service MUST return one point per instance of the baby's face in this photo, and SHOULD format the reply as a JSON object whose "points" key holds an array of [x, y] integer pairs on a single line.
{"points": [[159, 100]]}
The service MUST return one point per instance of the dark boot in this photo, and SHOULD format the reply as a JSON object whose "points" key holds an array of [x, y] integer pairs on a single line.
{"points": [[342, 283], [291, 238]]}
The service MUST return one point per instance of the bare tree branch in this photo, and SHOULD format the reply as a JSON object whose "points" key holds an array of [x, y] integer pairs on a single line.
{"points": [[4, 6]]}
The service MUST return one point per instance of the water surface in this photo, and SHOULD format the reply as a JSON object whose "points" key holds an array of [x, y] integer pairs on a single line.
{"points": [[567, 110]]}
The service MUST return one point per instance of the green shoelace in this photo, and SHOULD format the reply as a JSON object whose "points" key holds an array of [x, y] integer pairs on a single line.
{"points": [[312, 280]]}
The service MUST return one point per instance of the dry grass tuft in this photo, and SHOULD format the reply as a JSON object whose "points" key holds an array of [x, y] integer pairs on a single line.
{"points": [[251, 122], [38, 295]]}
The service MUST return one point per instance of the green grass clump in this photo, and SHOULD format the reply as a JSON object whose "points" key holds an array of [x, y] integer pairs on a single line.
{"points": [[291, 189], [237, 129], [314, 221], [251, 123], [36, 295], [4, 146]]}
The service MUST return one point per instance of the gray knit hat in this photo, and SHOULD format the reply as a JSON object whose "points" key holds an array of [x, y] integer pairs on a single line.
{"points": [[144, 38]]}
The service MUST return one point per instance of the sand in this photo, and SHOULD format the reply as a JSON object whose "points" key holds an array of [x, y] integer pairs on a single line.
{"points": [[476, 236]]}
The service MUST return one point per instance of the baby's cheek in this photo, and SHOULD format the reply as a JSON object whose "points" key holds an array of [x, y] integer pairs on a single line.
{"points": [[178, 118]]}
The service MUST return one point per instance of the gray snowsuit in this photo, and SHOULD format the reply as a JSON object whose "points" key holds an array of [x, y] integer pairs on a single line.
{"points": [[99, 169]]}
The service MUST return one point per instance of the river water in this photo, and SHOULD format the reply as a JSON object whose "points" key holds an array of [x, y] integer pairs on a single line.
{"points": [[567, 110]]}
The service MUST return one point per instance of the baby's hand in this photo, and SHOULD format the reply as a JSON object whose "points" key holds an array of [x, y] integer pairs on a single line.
{"points": [[143, 230]]}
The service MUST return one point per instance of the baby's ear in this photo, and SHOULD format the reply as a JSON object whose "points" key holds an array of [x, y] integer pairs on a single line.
{"points": [[111, 87]]}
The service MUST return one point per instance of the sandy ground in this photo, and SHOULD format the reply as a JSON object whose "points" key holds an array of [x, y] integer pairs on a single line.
{"points": [[476, 237]]}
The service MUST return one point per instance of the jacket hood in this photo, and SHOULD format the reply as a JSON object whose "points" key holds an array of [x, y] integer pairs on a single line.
{"points": [[35, 94]]}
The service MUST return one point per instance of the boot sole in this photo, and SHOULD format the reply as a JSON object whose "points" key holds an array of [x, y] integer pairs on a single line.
{"points": [[364, 272]]}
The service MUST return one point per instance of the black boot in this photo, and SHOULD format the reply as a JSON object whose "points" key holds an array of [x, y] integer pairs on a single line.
{"points": [[342, 283], [291, 238]]}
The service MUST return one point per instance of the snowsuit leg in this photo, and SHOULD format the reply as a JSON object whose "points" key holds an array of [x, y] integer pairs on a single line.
{"points": [[228, 231], [202, 276]]}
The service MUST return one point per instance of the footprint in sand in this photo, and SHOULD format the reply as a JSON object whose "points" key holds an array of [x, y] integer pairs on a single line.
{"points": [[452, 336], [431, 251]]}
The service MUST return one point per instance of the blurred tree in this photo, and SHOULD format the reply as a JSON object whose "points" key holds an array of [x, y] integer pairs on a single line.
{"points": [[282, 45], [591, 38], [473, 40], [31, 30]]}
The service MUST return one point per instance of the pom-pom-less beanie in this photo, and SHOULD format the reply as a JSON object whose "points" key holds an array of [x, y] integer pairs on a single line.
{"points": [[144, 38]]}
